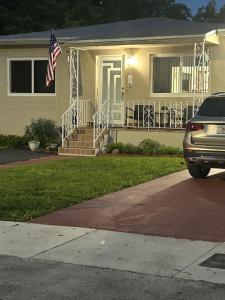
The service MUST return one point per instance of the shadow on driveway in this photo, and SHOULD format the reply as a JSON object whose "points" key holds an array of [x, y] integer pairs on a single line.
{"points": [[15, 155]]}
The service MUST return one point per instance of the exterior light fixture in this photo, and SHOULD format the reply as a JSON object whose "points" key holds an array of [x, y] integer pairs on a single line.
{"points": [[131, 60]]}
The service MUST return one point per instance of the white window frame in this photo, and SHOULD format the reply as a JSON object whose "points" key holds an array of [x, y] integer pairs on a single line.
{"points": [[181, 55], [32, 59]]}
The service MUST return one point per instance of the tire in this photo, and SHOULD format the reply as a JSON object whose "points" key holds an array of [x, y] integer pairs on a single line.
{"points": [[198, 171]]}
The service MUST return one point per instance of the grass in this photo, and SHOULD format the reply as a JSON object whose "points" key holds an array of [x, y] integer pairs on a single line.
{"points": [[30, 191]]}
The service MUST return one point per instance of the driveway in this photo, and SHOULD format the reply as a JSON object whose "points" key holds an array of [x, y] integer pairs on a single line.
{"points": [[14, 155], [171, 206]]}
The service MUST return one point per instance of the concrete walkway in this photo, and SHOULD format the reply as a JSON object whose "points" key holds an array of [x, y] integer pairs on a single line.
{"points": [[156, 256], [171, 206]]}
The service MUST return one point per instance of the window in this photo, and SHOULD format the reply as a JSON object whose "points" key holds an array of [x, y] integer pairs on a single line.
{"points": [[213, 107], [28, 77], [177, 75]]}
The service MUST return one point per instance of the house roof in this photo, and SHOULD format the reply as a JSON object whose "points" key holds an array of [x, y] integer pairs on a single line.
{"points": [[133, 29]]}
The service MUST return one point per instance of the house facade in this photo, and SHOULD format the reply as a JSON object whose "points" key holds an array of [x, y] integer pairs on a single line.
{"points": [[131, 80]]}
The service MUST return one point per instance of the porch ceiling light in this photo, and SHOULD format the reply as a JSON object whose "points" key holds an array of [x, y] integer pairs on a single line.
{"points": [[131, 60]]}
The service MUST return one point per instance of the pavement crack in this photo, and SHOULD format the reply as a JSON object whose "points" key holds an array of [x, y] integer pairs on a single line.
{"points": [[195, 260], [57, 246]]}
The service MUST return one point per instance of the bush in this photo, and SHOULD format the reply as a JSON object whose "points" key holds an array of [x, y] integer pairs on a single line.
{"points": [[43, 130], [149, 146], [12, 141], [111, 147], [169, 150], [131, 149]]}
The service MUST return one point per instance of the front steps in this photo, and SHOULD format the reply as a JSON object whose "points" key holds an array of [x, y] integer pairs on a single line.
{"points": [[80, 143]]}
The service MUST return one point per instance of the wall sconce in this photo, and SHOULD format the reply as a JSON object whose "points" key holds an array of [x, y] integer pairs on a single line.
{"points": [[131, 60]]}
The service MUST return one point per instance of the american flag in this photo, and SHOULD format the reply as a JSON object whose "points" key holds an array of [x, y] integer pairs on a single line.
{"points": [[54, 51]]}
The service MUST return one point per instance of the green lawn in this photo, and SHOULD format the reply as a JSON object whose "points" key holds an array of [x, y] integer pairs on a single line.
{"points": [[30, 191]]}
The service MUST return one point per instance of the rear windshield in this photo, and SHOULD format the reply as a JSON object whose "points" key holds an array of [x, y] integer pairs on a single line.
{"points": [[212, 107]]}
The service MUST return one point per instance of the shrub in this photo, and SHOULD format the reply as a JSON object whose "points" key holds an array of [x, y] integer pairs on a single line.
{"points": [[169, 150], [43, 130], [149, 146], [111, 147], [12, 141], [131, 149]]}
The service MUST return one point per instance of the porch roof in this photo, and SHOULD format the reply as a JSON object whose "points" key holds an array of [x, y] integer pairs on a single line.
{"points": [[133, 30]]}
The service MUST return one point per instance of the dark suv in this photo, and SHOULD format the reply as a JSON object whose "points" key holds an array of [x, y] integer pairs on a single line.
{"points": [[204, 141]]}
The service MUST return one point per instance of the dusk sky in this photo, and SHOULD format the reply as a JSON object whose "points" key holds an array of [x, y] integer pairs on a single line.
{"points": [[195, 4]]}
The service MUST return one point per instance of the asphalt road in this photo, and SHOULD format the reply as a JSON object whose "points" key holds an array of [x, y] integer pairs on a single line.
{"points": [[14, 155], [29, 279]]}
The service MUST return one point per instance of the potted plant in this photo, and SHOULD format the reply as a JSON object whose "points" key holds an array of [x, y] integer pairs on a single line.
{"points": [[32, 138], [41, 132], [34, 145]]}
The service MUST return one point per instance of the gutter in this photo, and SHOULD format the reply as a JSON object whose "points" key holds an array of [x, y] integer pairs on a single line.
{"points": [[221, 32], [45, 41], [77, 40]]}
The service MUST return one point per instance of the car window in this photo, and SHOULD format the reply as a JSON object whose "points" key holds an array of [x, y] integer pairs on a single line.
{"points": [[212, 107]]}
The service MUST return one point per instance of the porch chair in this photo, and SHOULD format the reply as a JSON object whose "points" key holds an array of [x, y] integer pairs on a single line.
{"points": [[144, 115]]}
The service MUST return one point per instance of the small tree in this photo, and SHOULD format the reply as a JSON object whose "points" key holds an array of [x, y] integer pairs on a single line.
{"points": [[43, 130]]}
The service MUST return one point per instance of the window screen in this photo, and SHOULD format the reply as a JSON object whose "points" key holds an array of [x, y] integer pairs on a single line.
{"points": [[212, 107], [21, 77], [40, 67], [166, 72], [178, 74]]}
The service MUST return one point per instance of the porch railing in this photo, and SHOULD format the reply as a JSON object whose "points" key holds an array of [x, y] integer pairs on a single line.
{"points": [[158, 114], [101, 121], [78, 114]]}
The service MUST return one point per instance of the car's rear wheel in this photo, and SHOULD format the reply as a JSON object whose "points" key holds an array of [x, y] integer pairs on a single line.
{"points": [[198, 171]]}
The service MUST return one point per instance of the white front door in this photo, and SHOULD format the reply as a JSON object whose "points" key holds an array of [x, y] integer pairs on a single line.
{"points": [[110, 86]]}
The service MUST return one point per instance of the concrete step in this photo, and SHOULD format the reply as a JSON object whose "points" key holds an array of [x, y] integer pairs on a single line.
{"points": [[83, 130], [82, 144], [81, 137], [76, 151]]}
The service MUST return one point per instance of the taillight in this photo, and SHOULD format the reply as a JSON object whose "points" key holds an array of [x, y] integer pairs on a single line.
{"points": [[194, 126]]}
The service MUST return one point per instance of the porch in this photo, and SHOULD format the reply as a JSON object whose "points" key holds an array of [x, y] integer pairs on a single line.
{"points": [[177, 84]]}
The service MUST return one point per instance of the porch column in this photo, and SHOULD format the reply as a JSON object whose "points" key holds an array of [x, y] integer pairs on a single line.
{"points": [[74, 74], [201, 73]]}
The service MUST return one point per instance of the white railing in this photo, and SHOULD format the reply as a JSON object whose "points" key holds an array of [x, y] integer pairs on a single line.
{"points": [[158, 114], [101, 121], [78, 114]]}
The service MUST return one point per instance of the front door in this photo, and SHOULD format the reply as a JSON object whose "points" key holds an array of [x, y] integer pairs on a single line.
{"points": [[110, 86]]}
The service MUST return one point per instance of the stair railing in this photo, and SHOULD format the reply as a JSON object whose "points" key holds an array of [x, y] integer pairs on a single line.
{"points": [[101, 121], [70, 120], [77, 115]]}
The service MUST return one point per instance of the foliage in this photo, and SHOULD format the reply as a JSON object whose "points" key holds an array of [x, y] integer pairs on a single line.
{"points": [[30, 191], [207, 13], [43, 130], [111, 147], [170, 150], [150, 146], [27, 16], [147, 147], [12, 141], [131, 149]]}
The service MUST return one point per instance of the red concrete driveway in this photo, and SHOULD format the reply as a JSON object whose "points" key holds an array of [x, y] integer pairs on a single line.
{"points": [[175, 206]]}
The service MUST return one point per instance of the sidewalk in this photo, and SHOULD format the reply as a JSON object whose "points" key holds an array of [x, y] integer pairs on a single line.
{"points": [[158, 256]]}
